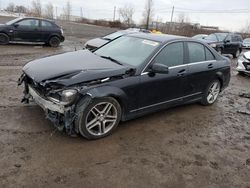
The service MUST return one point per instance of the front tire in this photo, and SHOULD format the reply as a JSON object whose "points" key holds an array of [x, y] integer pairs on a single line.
{"points": [[212, 92], [4, 39], [54, 41], [99, 119]]}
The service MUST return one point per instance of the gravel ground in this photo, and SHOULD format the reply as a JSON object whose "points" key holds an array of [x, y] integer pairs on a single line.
{"points": [[187, 146]]}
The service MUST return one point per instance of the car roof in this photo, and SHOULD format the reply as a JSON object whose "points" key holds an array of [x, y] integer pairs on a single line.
{"points": [[157, 37], [37, 18]]}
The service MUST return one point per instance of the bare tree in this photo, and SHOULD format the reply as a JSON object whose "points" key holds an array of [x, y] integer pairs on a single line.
{"points": [[127, 13], [10, 7], [21, 9], [246, 29], [49, 11], [67, 11], [183, 18], [148, 13], [36, 9]]}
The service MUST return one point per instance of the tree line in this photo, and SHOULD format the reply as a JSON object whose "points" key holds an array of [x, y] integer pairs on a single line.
{"points": [[38, 10]]}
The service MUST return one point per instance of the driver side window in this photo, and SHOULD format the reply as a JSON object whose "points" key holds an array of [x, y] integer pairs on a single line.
{"points": [[171, 55], [29, 23]]}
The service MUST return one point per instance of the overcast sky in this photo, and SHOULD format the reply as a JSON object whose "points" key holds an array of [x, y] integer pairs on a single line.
{"points": [[198, 11]]}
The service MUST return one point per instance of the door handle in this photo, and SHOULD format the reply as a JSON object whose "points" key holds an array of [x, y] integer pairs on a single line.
{"points": [[210, 66], [181, 72]]}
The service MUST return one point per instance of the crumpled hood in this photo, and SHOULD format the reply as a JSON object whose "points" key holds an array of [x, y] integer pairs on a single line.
{"points": [[98, 42], [72, 68]]}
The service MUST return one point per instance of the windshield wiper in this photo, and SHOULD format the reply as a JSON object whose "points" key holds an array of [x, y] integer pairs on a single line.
{"points": [[111, 59]]}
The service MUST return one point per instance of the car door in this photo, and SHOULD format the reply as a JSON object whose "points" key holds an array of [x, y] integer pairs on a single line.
{"points": [[158, 89], [229, 45], [47, 29], [27, 30], [201, 69]]}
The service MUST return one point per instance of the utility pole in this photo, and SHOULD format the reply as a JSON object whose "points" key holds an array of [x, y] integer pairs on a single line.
{"points": [[81, 13], [56, 13], [114, 13], [171, 22]]}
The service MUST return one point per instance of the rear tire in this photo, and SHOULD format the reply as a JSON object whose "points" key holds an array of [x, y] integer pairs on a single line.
{"points": [[54, 41], [4, 39], [99, 119], [212, 92]]}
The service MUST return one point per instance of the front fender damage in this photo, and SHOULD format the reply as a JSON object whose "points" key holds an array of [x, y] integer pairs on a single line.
{"points": [[63, 117]]}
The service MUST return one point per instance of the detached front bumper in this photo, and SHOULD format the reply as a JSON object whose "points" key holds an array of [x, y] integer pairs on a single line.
{"points": [[46, 104], [61, 116]]}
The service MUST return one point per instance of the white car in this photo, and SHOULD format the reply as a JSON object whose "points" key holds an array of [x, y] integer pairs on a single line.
{"points": [[243, 63], [246, 43]]}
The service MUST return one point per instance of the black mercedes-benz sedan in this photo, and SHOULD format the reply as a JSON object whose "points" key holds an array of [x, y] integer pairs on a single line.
{"points": [[30, 29], [91, 92]]}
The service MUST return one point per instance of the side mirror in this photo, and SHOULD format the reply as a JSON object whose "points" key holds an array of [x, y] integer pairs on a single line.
{"points": [[159, 68], [226, 41], [15, 24]]}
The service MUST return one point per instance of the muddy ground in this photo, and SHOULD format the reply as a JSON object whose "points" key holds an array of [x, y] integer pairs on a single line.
{"points": [[188, 146]]}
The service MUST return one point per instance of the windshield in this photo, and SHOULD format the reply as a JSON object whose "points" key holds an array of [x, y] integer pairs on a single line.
{"points": [[113, 36], [13, 21], [221, 36], [211, 37], [129, 50], [217, 37]]}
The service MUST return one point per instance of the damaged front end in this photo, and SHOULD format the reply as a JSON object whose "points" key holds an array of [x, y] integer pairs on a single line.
{"points": [[59, 101], [59, 104]]}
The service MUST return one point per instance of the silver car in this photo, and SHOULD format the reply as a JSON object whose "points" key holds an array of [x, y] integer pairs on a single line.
{"points": [[243, 63], [246, 43]]}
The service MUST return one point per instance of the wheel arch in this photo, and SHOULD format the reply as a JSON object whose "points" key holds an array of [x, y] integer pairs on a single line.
{"points": [[3, 32], [220, 77], [110, 91], [53, 35]]}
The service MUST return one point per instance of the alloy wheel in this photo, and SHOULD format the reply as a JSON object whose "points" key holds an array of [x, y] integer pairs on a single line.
{"points": [[101, 118], [213, 92]]}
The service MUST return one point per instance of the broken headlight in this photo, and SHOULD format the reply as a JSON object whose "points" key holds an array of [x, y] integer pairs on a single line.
{"points": [[68, 96], [64, 97]]}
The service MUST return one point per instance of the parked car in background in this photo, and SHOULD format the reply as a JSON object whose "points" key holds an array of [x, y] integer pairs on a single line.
{"points": [[200, 36], [246, 43], [31, 30], [98, 42], [243, 63], [225, 43], [91, 92]]}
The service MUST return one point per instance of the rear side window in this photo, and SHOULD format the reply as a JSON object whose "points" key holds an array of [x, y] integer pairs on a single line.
{"points": [[171, 55], [196, 52], [46, 24], [209, 55]]}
